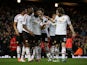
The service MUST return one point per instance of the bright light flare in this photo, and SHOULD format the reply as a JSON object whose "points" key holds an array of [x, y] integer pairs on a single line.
{"points": [[56, 4], [18, 1]]}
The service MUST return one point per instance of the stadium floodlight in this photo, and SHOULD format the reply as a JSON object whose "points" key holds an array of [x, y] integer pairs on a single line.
{"points": [[56, 4], [18, 1]]}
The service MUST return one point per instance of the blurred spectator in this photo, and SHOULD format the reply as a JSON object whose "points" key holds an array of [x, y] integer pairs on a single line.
{"points": [[69, 42], [85, 48], [79, 52], [13, 46]]}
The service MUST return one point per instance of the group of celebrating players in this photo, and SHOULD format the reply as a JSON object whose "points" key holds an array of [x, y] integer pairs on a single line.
{"points": [[32, 26]]}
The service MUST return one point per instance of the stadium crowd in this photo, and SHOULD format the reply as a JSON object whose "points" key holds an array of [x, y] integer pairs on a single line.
{"points": [[79, 21]]}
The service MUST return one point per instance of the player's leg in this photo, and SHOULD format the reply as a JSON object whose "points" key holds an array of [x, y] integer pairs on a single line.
{"points": [[42, 45], [49, 56], [38, 57], [33, 53], [37, 47], [57, 52], [27, 49], [19, 43], [63, 52], [38, 53], [18, 52], [48, 53], [27, 39], [52, 52], [63, 47], [23, 54], [63, 58], [58, 41], [28, 43], [24, 46], [33, 48]]}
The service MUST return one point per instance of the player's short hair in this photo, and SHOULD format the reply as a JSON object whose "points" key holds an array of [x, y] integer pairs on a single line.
{"points": [[61, 10], [41, 9], [53, 13], [30, 7], [35, 9], [21, 9]]}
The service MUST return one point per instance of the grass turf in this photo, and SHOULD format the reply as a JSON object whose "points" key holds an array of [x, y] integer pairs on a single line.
{"points": [[11, 61]]}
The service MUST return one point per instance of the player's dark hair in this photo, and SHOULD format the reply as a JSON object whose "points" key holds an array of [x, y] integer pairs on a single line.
{"points": [[35, 9], [53, 13], [21, 9], [61, 10], [29, 6], [41, 9]]}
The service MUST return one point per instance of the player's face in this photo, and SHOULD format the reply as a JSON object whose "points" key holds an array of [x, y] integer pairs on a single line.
{"points": [[63, 44], [57, 12], [26, 10], [53, 16], [40, 13], [30, 10], [35, 14]]}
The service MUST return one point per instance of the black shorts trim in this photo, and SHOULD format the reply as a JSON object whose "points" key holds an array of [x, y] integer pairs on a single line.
{"points": [[52, 39], [44, 37], [19, 38], [27, 36], [37, 40], [60, 38]]}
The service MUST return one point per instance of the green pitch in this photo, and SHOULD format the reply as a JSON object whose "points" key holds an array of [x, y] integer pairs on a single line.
{"points": [[43, 62]]}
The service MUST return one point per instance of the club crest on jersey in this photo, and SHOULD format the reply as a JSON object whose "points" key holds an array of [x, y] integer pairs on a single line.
{"points": [[61, 19]]}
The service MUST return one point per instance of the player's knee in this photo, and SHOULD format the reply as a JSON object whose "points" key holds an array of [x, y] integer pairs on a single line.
{"points": [[26, 41], [63, 43]]}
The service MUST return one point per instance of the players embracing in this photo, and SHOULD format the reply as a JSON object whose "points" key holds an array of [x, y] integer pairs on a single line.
{"points": [[32, 26]]}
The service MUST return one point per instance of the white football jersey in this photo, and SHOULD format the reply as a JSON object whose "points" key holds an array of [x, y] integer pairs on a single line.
{"points": [[52, 28], [45, 30], [20, 21], [36, 25], [43, 22], [61, 24], [28, 22]]}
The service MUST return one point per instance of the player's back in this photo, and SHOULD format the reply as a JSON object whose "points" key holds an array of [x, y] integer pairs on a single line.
{"points": [[52, 28]]}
